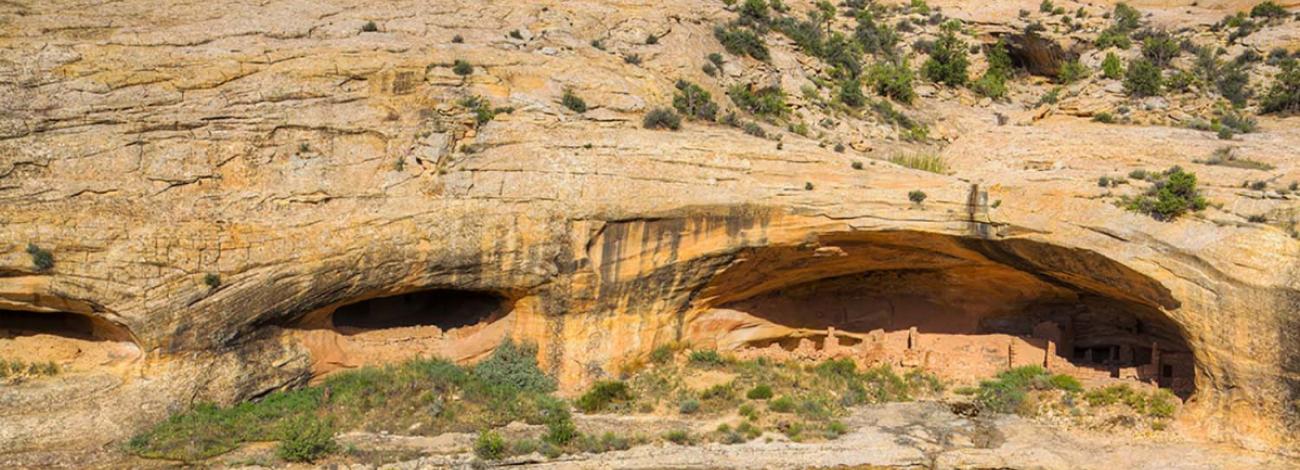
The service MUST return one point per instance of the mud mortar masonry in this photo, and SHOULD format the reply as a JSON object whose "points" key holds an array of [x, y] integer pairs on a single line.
{"points": [[210, 202]]}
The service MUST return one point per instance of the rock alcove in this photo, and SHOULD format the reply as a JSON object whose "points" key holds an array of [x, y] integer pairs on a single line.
{"points": [[964, 308]]}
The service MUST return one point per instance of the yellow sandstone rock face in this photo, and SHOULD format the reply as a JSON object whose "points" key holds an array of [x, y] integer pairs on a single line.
{"points": [[216, 182]]}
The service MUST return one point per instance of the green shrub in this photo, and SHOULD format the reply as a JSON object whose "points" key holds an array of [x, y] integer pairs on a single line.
{"points": [[462, 68], [634, 59], [1142, 79], [759, 392], [662, 118], [560, 429], [1051, 97], [1172, 196], [212, 280], [602, 395], [1238, 122], [1160, 48], [369, 27], [1111, 67], [916, 196], [706, 357], [689, 406], [1268, 9], [512, 369], [678, 436], [716, 59], [1161, 404], [1104, 118], [1126, 17], [993, 83], [1065, 382], [719, 392], [1046, 7], [694, 102], [919, 6], [1113, 37], [305, 439], [1071, 71], [457, 39], [1225, 156], [1180, 81], [767, 101], [948, 62], [836, 429], [892, 79], [573, 102], [524, 447], [851, 93], [42, 259], [489, 445], [662, 354], [742, 42], [651, 39], [875, 38], [1233, 82], [783, 404], [1284, 95], [925, 161], [482, 109]]}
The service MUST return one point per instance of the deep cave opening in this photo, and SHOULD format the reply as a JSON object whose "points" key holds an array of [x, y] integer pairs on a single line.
{"points": [[968, 307], [17, 323], [446, 309]]}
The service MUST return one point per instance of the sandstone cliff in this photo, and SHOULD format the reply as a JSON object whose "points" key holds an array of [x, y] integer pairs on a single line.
{"points": [[210, 177]]}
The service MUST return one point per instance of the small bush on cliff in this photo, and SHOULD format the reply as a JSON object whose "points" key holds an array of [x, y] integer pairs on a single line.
{"points": [[993, 83], [706, 357], [573, 102], [947, 63], [306, 438], [1283, 96], [1006, 392], [42, 259], [1172, 194], [694, 102], [462, 68], [783, 404], [512, 370], [742, 42], [766, 101], [1160, 48], [602, 395], [1142, 79], [1160, 403], [662, 118], [759, 392], [916, 196], [1111, 67], [489, 445], [1267, 9], [892, 79]]}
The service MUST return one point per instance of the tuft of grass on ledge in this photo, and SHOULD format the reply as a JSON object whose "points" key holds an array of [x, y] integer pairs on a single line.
{"points": [[924, 161]]}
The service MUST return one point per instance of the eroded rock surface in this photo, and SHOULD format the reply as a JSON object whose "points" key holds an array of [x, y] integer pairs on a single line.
{"points": [[214, 180]]}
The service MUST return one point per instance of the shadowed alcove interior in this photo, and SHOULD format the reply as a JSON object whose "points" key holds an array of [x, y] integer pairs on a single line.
{"points": [[971, 306]]}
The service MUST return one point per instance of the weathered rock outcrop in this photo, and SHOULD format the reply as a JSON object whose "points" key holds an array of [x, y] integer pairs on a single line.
{"points": [[209, 178]]}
